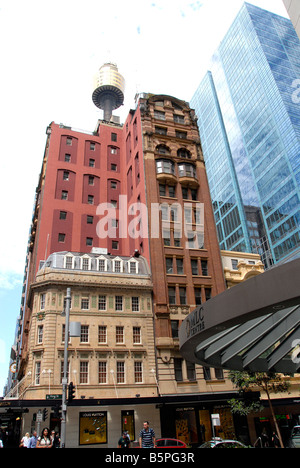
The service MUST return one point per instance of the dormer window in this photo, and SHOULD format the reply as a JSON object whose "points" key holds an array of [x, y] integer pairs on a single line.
{"points": [[118, 265], [85, 263], [102, 264], [69, 262], [133, 267]]}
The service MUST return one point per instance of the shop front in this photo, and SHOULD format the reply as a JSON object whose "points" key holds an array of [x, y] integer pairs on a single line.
{"points": [[199, 419]]}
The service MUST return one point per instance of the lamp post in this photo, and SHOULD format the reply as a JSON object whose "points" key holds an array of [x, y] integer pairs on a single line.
{"points": [[65, 377]]}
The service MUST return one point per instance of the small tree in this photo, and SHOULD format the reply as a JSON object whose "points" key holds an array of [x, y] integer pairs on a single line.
{"points": [[267, 382]]}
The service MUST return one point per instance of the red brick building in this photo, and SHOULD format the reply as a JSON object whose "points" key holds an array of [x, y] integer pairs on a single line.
{"points": [[151, 172]]}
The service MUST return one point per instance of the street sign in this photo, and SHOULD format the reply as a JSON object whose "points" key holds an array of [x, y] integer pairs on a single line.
{"points": [[54, 397]]}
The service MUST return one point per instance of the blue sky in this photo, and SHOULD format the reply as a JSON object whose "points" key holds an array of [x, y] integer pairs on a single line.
{"points": [[50, 52]]}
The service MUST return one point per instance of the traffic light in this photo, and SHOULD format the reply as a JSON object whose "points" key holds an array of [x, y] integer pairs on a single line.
{"points": [[45, 414], [56, 411], [71, 395]]}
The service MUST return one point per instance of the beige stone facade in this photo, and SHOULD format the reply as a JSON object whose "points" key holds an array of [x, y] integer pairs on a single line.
{"points": [[114, 356], [240, 266]]}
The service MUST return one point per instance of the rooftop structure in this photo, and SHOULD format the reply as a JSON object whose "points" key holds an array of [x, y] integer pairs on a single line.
{"points": [[109, 87]]}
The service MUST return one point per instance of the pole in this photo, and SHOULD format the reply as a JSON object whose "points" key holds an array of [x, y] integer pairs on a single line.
{"points": [[65, 376]]}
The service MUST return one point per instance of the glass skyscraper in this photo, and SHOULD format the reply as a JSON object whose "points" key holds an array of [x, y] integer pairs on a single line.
{"points": [[248, 109]]}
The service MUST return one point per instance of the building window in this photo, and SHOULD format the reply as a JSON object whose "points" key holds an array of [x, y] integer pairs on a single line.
{"points": [[117, 266], [178, 369], [90, 199], [90, 219], [186, 170], [84, 372], [66, 175], [172, 294], [119, 303], [133, 267], [171, 191], [162, 190], [219, 374], [91, 180], [206, 372], [198, 300], [42, 301], [113, 184], [136, 335], [102, 372], [194, 194], [67, 157], [166, 237], [165, 166], [69, 141], [169, 265], [101, 264], [102, 303], [113, 137], [234, 264], [61, 237], [160, 115], [37, 373], [92, 146], [119, 335], [85, 303], [85, 263], [64, 195], [62, 215], [89, 241], [204, 268], [180, 134], [84, 335], [182, 295], [138, 372], [207, 293], [69, 262], [194, 265], [135, 305], [191, 370], [91, 162], [40, 334], [175, 328], [102, 334], [177, 239], [115, 245], [178, 118], [120, 372], [179, 265], [113, 167]]}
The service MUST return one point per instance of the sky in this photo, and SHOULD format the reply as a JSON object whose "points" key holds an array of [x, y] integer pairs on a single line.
{"points": [[49, 54]]}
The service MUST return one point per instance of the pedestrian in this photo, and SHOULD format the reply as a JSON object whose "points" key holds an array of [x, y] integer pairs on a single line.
{"points": [[147, 436], [275, 440], [44, 441], [55, 440], [265, 438], [33, 440], [25, 440], [124, 441]]}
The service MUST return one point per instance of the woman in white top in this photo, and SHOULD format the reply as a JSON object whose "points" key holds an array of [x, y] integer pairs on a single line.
{"points": [[44, 441], [25, 440]]}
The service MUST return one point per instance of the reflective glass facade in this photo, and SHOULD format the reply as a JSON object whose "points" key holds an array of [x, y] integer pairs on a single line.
{"points": [[248, 110]]}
